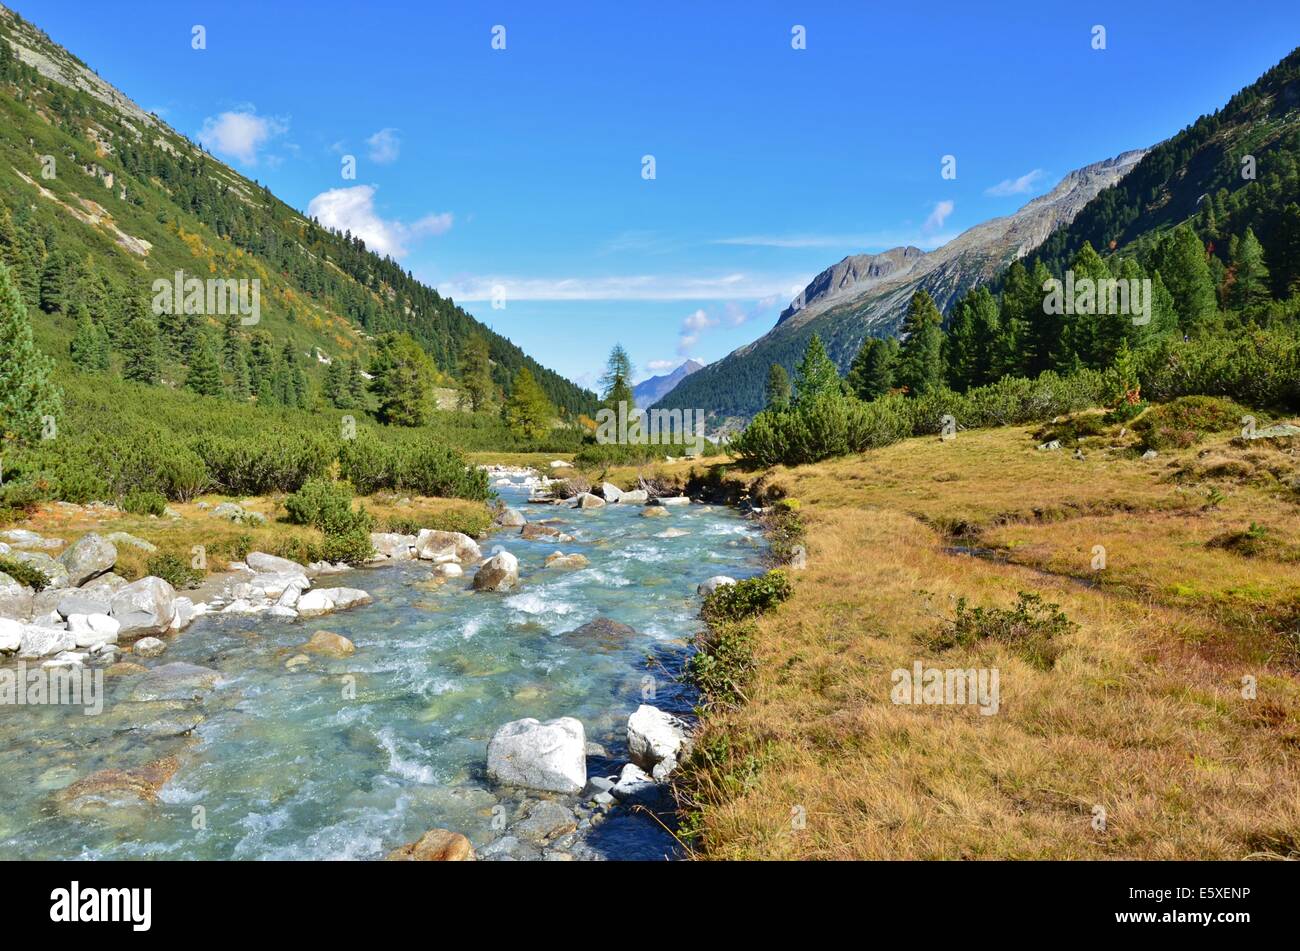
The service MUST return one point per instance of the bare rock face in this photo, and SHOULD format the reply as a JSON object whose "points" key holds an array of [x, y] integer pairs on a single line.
{"points": [[498, 573], [436, 845], [550, 756], [89, 557]]}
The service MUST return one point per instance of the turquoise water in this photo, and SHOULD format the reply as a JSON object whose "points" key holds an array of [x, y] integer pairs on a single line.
{"points": [[349, 758]]}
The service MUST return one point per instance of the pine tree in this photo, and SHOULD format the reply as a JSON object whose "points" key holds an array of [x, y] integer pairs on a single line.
{"points": [[141, 352], [528, 412], [1251, 280], [920, 359], [241, 387], [27, 391], [86, 348], [616, 381], [476, 373], [54, 283], [204, 377], [778, 388], [816, 374], [403, 380], [1180, 258], [960, 348], [872, 374], [336, 385], [356, 386]]}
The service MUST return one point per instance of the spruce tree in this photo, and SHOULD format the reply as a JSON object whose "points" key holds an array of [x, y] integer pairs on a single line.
{"points": [[872, 374], [54, 283], [920, 359], [778, 388], [141, 352], [1251, 280], [616, 381], [403, 380], [1180, 258], [27, 390], [816, 374], [204, 376], [86, 345]]}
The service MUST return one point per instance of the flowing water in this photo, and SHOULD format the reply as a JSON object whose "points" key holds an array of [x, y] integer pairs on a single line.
{"points": [[349, 758]]}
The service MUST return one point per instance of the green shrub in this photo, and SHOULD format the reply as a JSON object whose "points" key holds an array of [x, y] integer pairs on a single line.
{"points": [[144, 502], [746, 599], [1032, 629], [24, 573], [327, 506], [261, 462], [723, 663], [1187, 420], [367, 464], [174, 570]]}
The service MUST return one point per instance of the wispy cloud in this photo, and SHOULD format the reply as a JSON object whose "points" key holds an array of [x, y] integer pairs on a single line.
{"points": [[353, 209], [385, 146], [240, 133], [661, 366], [942, 209], [694, 324], [1016, 186], [737, 285]]}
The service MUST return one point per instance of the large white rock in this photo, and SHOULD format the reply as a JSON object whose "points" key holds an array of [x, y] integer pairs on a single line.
{"points": [[90, 556], [434, 545], [324, 600], [273, 584], [11, 635], [609, 491], [655, 739], [634, 496], [391, 546], [498, 573], [550, 756], [707, 588], [147, 606], [45, 641], [262, 563], [15, 599], [93, 630], [588, 501]]}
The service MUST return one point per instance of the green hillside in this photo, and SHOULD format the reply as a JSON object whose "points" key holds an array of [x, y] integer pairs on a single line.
{"points": [[101, 199]]}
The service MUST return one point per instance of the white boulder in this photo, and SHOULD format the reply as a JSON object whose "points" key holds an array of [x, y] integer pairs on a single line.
{"points": [[434, 545], [550, 756], [655, 739], [324, 600], [498, 573], [707, 588]]}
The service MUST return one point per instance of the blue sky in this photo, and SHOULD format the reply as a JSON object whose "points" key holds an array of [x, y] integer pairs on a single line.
{"points": [[522, 168]]}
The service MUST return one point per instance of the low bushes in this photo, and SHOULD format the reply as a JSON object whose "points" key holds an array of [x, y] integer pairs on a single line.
{"points": [[327, 506], [174, 570], [1187, 420], [24, 573], [746, 599], [419, 466], [1032, 628]]}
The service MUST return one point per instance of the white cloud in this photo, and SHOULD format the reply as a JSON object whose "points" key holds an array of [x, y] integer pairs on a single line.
{"points": [[353, 209], [385, 146], [942, 209], [1016, 186], [694, 324], [644, 287], [240, 134], [659, 366]]}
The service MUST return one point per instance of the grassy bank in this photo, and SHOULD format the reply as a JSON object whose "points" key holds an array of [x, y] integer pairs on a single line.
{"points": [[1133, 741]]}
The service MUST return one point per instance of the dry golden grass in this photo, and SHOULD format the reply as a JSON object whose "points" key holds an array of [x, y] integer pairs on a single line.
{"points": [[1143, 714]]}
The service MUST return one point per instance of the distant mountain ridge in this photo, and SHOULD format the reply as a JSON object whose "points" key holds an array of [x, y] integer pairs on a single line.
{"points": [[867, 294], [648, 392]]}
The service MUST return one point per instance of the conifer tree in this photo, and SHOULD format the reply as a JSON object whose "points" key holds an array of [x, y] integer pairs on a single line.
{"points": [[204, 376], [616, 381], [27, 390], [816, 374], [1251, 280], [871, 375], [402, 380], [920, 359], [141, 352], [778, 388], [528, 412], [476, 373], [1180, 258]]}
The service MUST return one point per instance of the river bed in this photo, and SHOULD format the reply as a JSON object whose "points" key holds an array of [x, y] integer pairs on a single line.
{"points": [[349, 758]]}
